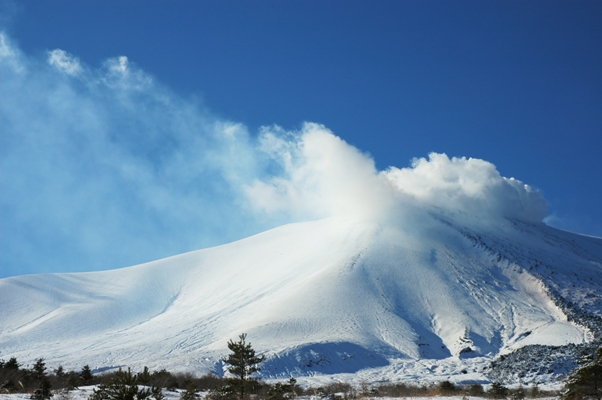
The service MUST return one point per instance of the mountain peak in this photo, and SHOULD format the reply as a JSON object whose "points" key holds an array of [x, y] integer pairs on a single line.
{"points": [[330, 296]]}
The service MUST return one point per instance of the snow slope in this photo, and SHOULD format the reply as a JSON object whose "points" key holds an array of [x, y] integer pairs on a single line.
{"points": [[333, 296]]}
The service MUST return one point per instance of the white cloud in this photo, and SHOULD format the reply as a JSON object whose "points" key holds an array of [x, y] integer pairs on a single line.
{"points": [[118, 73], [5, 50], [64, 61], [322, 176], [119, 65], [468, 185], [103, 167], [9, 56]]}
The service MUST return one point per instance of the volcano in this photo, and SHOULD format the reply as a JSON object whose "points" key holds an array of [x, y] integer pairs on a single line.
{"points": [[335, 297]]}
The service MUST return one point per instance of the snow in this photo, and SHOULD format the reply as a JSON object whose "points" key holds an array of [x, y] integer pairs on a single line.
{"points": [[336, 298]]}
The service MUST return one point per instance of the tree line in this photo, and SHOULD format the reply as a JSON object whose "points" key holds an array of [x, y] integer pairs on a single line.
{"points": [[242, 384]]}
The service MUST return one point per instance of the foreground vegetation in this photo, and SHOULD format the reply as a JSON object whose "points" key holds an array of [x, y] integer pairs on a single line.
{"points": [[126, 385], [584, 383]]}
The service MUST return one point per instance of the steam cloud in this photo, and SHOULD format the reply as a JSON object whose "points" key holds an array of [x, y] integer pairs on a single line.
{"points": [[103, 168], [323, 176]]}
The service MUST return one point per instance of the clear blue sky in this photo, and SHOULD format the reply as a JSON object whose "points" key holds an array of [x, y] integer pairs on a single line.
{"points": [[516, 83]]}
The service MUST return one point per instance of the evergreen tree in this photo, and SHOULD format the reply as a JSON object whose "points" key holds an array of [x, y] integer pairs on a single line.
{"points": [[124, 386], [586, 381], [39, 369], [191, 393], [73, 380], [498, 391], [157, 393], [43, 391], [277, 392], [476, 390], [221, 393], [284, 391], [39, 372], [243, 363], [86, 374], [12, 364], [144, 377]]}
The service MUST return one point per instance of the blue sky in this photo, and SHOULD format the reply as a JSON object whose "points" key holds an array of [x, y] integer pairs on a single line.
{"points": [[116, 164]]}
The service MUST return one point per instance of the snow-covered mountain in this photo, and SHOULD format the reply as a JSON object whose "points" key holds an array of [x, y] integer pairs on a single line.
{"points": [[331, 296]]}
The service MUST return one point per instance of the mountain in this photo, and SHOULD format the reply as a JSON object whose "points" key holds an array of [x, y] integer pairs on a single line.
{"points": [[388, 300]]}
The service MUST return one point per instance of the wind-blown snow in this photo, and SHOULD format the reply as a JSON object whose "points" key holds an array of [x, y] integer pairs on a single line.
{"points": [[105, 167], [336, 295]]}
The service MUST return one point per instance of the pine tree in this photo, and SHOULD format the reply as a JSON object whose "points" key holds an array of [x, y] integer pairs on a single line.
{"points": [[12, 364], [476, 390], [123, 386], [498, 391], [157, 393], [39, 372], [43, 391], [191, 393], [243, 363], [144, 377], [86, 374], [39, 369], [280, 391]]}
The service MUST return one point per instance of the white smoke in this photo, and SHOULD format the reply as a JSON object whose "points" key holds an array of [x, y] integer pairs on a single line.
{"points": [[323, 176], [320, 176], [470, 185], [62, 60], [104, 167]]}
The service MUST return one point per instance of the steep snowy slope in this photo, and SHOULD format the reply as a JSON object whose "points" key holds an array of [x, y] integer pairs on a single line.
{"points": [[329, 296]]}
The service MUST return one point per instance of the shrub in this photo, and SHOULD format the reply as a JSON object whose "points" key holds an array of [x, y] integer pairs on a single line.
{"points": [[476, 390], [446, 387]]}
